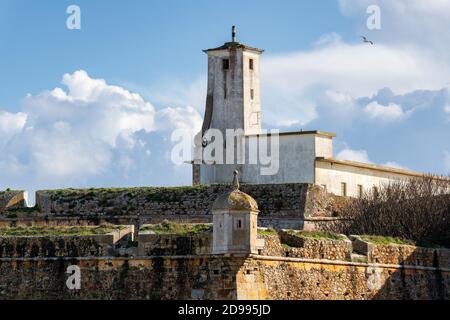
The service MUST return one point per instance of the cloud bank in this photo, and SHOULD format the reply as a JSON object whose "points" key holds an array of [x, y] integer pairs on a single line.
{"points": [[91, 134]]}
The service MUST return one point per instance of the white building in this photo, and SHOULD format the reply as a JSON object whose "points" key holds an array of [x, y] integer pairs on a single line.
{"points": [[233, 102]]}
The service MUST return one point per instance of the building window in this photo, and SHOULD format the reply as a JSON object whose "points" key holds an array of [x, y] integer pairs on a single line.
{"points": [[360, 191], [251, 64], [375, 191], [226, 64], [343, 189], [252, 94]]}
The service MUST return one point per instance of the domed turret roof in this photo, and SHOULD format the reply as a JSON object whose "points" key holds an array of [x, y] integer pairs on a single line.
{"points": [[235, 200]]}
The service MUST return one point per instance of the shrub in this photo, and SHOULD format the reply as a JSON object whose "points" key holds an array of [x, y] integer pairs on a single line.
{"points": [[417, 210]]}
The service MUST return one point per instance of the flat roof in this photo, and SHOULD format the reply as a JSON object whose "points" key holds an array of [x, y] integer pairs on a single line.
{"points": [[298, 133], [376, 167]]}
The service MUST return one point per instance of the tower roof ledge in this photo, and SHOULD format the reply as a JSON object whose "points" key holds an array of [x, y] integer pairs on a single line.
{"points": [[234, 46]]}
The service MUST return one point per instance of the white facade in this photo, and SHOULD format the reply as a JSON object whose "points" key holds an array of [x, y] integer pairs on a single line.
{"points": [[233, 102]]}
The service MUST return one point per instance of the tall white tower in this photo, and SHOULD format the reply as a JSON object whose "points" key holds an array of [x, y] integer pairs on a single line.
{"points": [[233, 97], [233, 100]]}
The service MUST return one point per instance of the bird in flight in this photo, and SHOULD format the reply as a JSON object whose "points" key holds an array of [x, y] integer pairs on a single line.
{"points": [[365, 40]]}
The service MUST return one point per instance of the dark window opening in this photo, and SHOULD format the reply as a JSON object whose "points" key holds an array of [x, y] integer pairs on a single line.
{"points": [[239, 224], [252, 94], [226, 64], [251, 64]]}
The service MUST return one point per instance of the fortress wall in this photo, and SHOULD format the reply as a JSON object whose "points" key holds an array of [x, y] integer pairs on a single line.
{"points": [[275, 201], [121, 278], [300, 279], [302, 247], [168, 244], [11, 200], [218, 277], [61, 246], [402, 254]]}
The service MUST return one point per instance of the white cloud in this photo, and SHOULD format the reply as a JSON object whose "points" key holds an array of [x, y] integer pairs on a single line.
{"points": [[419, 23], [292, 83], [363, 157], [360, 68], [391, 112], [92, 133], [354, 155], [10, 124], [393, 164]]}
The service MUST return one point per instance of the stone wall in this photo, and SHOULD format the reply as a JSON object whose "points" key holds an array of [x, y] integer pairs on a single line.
{"points": [[300, 279], [11, 200], [275, 201], [304, 247], [153, 278], [272, 245], [402, 254], [169, 244], [62, 246], [219, 277]]}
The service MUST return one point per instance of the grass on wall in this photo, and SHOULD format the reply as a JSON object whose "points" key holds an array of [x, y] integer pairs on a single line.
{"points": [[58, 231], [267, 232], [183, 229], [318, 235], [387, 240]]}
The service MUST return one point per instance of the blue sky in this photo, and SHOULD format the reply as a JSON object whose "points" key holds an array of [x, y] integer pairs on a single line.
{"points": [[143, 41], [135, 72]]}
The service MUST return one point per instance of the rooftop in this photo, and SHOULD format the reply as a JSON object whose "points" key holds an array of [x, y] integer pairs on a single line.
{"points": [[375, 167], [296, 133], [233, 45]]}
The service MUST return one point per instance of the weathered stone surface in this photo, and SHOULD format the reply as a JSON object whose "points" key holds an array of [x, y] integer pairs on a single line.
{"points": [[108, 278], [303, 247], [294, 279], [11, 200], [63, 246], [402, 254], [275, 201], [219, 277], [168, 244]]}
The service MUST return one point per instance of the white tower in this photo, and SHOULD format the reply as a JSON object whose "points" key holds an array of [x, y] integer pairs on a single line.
{"points": [[233, 97], [235, 222], [233, 101]]}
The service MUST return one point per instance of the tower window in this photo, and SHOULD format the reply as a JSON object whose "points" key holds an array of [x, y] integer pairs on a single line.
{"points": [[251, 64], [226, 64], [252, 94], [239, 224], [343, 189]]}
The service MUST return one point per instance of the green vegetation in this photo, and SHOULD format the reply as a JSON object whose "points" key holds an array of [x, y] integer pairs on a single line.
{"points": [[168, 227], [387, 240], [14, 211], [156, 194], [57, 231], [132, 244], [267, 232], [318, 235], [2, 192]]}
